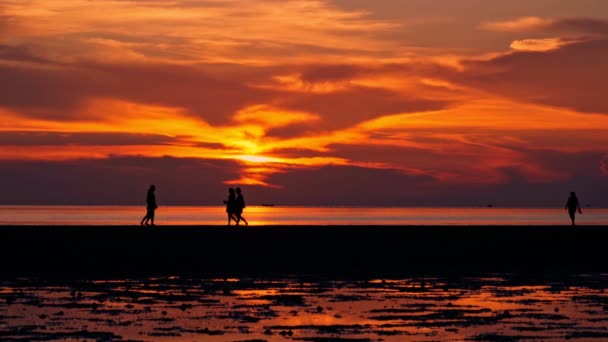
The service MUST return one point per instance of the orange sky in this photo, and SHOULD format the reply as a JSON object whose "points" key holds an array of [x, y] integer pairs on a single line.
{"points": [[462, 93]]}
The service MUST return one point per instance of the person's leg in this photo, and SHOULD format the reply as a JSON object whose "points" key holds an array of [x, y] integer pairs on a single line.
{"points": [[152, 218], [572, 214], [143, 219], [243, 218], [147, 220], [229, 217]]}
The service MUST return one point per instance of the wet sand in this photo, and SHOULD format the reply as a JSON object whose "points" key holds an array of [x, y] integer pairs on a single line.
{"points": [[133, 251], [489, 308]]}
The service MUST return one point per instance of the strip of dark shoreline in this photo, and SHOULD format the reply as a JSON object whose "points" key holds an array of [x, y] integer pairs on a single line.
{"points": [[133, 251]]}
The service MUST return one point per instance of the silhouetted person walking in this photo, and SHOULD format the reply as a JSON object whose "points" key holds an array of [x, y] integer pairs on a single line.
{"points": [[151, 207], [230, 205], [572, 205], [239, 206]]}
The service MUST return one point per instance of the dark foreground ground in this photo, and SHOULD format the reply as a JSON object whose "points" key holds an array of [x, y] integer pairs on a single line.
{"points": [[317, 284], [132, 251]]}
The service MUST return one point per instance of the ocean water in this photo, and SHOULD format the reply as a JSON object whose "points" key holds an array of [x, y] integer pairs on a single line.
{"points": [[206, 215]]}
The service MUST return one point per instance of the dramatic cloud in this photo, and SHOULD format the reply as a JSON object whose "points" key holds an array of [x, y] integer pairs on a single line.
{"points": [[304, 101], [86, 139], [59, 93], [199, 182], [193, 31], [115, 181], [572, 76]]}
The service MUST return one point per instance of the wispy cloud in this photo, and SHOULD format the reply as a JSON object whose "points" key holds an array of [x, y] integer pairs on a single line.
{"points": [[536, 24], [193, 32], [518, 25], [541, 45]]}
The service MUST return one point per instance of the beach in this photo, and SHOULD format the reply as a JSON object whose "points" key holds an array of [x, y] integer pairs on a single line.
{"points": [[104, 251], [303, 283]]}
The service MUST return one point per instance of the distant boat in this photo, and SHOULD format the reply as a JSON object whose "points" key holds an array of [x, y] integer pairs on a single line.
{"points": [[267, 205], [490, 205]]}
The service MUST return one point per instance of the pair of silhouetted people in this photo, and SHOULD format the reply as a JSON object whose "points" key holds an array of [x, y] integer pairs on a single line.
{"points": [[150, 207], [572, 205], [235, 205]]}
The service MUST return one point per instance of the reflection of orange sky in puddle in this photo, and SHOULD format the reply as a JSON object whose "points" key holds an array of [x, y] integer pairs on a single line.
{"points": [[544, 299], [486, 297], [255, 293]]}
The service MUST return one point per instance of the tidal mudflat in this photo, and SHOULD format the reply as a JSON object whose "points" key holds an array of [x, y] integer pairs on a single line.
{"points": [[494, 307]]}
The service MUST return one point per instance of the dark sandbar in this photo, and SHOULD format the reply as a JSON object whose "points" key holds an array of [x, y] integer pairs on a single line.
{"points": [[118, 251]]}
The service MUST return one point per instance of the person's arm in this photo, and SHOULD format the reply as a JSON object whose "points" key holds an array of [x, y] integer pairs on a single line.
{"points": [[579, 207]]}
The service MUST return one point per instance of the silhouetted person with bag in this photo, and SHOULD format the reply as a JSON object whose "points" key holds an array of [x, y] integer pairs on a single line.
{"points": [[151, 207], [231, 205], [239, 206], [572, 205]]}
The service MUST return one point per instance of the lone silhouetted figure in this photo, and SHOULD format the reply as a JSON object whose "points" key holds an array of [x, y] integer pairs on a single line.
{"points": [[239, 206], [151, 207], [231, 205], [572, 205]]}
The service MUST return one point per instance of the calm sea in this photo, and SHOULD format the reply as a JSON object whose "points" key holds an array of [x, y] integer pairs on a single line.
{"points": [[183, 215]]}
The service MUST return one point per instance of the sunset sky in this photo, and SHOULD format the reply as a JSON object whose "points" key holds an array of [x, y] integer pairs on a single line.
{"points": [[320, 102]]}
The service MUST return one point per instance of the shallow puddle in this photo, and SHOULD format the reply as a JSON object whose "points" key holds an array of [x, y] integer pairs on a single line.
{"points": [[492, 308]]}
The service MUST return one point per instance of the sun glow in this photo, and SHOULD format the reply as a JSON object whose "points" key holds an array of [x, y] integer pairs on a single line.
{"points": [[257, 159]]}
